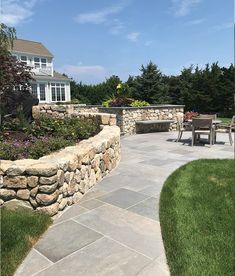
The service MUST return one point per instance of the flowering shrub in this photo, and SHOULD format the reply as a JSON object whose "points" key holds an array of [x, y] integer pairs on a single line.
{"points": [[69, 128], [32, 148], [119, 102], [42, 137], [189, 114]]}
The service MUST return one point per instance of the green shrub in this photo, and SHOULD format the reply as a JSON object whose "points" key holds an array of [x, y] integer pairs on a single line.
{"points": [[138, 103], [107, 102], [16, 124], [38, 149], [124, 101], [69, 128], [45, 136], [9, 151], [87, 129], [75, 101], [41, 148]]}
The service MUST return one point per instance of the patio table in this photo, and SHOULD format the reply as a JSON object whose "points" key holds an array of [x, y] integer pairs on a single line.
{"points": [[214, 122]]}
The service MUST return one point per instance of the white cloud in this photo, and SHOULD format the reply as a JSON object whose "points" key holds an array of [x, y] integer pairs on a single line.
{"points": [[183, 7], [86, 74], [98, 17], [14, 12], [116, 27], [196, 21], [134, 36], [106, 17]]}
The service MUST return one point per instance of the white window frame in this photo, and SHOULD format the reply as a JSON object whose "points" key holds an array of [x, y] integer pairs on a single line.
{"points": [[58, 88], [40, 63], [41, 100], [36, 63], [24, 61], [39, 87]]}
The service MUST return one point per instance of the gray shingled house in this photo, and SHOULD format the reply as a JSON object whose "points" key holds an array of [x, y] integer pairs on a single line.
{"points": [[49, 86]]}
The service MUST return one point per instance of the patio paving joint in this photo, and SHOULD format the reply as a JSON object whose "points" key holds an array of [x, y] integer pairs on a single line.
{"points": [[109, 237]]}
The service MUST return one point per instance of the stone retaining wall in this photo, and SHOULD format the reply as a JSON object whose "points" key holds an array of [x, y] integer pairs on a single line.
{"points": [[126, 117], [59, 111], [55, 181]]}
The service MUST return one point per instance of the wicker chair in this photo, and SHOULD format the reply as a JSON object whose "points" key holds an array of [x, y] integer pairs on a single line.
{"points": [[225, 128], [202, 126]]}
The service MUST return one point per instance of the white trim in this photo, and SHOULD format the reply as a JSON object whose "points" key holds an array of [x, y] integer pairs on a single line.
{"points": [[31, 54]]}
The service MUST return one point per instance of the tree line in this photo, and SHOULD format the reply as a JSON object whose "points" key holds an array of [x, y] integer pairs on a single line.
{"points": [[205, 90]]}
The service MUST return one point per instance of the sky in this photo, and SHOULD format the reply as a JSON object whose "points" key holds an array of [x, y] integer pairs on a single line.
{"points": [[94, 39]]}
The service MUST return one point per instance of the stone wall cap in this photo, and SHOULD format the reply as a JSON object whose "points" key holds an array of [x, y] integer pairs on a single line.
{"points": [[145, 107], [149, 122], [42, 169]]}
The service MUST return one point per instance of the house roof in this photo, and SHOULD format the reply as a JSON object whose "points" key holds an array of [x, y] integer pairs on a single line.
{"points": [[56, 77], [30, 47]]}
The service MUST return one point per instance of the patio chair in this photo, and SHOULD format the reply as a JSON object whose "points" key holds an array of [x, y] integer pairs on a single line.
{"points": [[181, 127], [202, 126], [225, 128], [211, 116]]}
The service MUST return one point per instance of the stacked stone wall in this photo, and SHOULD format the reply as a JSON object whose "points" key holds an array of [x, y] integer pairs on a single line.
{"points": [[126, 117], [60, 179], [60, 112]]}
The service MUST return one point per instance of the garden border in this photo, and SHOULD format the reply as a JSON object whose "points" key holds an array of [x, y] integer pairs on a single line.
{"points": [[60, 179]]}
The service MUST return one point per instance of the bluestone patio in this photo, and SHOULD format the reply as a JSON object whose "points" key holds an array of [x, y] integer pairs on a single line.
{"points": [[115, 228]]}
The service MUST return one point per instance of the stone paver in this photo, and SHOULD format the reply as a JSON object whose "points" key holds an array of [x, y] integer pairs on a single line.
{"points": [[33, 263], [71, 212], [104, 257], [65, 238], [147, 208], [134, 231], [115, 229], [123, 198]]}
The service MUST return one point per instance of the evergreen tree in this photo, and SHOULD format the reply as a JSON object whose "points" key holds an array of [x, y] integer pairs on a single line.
{"points": [[150, 86]]}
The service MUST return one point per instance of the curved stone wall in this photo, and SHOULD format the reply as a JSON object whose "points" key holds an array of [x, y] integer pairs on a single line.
{"points": [[55, 181]]}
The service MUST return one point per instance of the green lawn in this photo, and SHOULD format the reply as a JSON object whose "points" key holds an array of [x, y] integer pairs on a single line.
{"points": [[197, 218], [19, 232], [225, 120]]}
